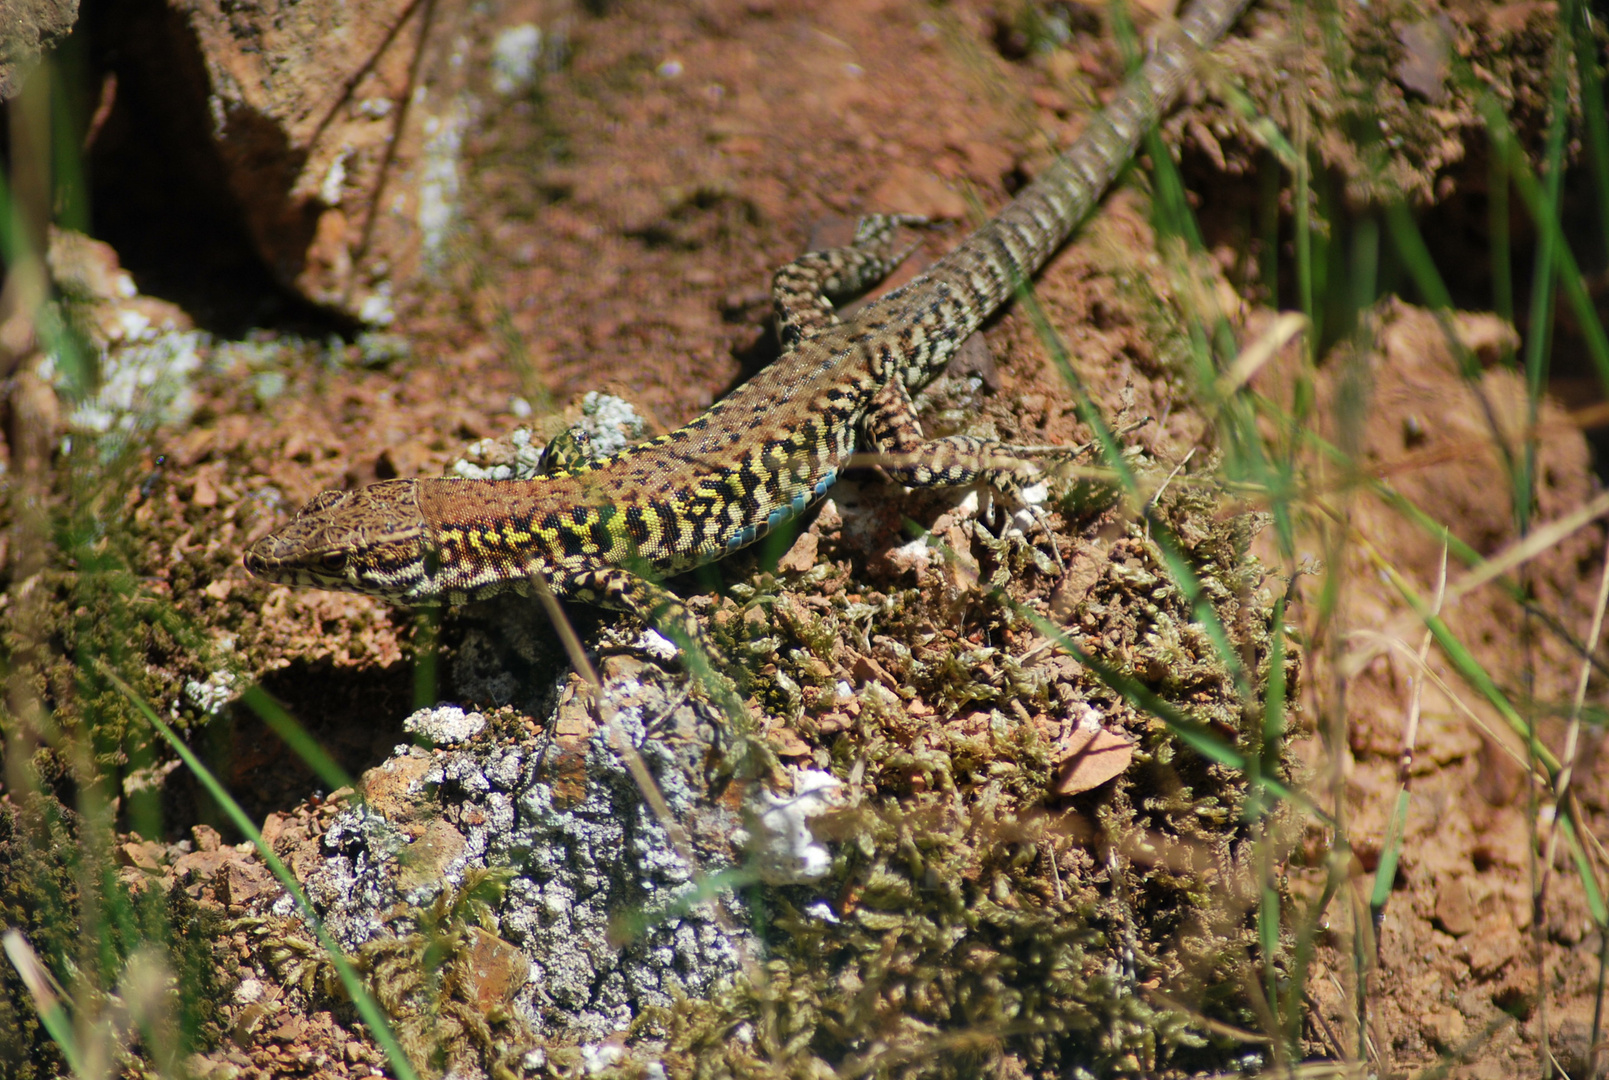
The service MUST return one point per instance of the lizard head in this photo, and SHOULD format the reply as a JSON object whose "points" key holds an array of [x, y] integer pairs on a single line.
{"points": [[372, 541]]}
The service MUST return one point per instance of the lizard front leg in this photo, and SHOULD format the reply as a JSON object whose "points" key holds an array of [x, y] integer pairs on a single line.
{"points": [[662, 611]]}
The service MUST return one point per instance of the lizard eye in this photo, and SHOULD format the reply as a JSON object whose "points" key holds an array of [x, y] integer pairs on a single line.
{"points": [[334, 562]]}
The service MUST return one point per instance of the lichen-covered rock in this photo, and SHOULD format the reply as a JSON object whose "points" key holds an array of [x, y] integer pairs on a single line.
{"points": [[336, 127], [587, 886]]}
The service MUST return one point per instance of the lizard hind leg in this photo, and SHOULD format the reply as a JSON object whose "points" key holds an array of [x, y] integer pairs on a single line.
{"points": [[902, 451], [1011, 470], [803, 293]]}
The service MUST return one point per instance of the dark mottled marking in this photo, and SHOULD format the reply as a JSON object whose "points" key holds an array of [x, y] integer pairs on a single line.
{"points": [[782, 437]]}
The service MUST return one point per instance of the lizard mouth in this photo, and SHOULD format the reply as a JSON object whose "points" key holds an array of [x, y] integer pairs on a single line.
{"points": [[256, 564], [262, 561]]}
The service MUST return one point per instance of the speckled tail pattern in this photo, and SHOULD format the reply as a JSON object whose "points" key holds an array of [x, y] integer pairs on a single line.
{"points": [[599, 530]]}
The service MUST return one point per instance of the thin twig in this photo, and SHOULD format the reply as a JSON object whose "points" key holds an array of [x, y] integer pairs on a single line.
{"points": [[1562, 790]]}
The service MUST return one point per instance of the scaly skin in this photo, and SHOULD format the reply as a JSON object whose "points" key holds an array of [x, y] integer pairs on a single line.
{"points": [[767, 452]]}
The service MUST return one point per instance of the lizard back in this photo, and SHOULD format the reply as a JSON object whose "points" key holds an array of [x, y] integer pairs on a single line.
{"points": [[755, 459]]}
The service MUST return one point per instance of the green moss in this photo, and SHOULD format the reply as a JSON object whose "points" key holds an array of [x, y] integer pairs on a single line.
{"points": [[87, 947], [984, 923]]}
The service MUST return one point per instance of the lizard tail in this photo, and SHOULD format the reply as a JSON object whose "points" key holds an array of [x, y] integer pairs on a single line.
{"points": [[986, 269]]}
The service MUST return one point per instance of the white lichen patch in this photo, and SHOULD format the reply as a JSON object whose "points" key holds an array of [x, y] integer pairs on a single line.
{"points": [[656, 645], [439, 181], [444, 725], [781, 844], [515, 53], [610, 423], [142, 385], [211, 694], [516, 456]]}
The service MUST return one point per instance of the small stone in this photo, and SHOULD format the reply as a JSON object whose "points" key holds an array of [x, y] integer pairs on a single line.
{"points": [[1084, 569], [788, 744], [144, 854], [1445, 1029], [494, 971], [801, 556], [1455, 909], [444, 725], [424, 860], [867, 670]]}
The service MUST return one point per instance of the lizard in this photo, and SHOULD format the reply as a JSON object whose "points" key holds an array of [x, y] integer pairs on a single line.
{"points": [[603, 531]]}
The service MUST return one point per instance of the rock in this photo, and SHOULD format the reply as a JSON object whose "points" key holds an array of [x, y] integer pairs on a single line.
{"points": [[28, 28], [1445, 1029], [336, 136], [801, 556], [1455, 909], [100, 297], [425, 860], [444, 725], [494, 971]]}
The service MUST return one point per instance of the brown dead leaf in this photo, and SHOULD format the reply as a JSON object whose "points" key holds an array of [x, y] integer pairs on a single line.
{"points": [[1090, 755]]}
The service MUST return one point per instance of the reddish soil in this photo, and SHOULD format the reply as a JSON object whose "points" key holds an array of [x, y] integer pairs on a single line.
{"points": [[618, 225]]}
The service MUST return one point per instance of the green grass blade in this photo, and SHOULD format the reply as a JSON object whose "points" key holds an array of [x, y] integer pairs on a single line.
{"points": [[1410, 245], [1182, 576], [1463, 661], [367, 1007], [303, 745], [1390, 851], [1497, 226], [1530, 192], [1539, 327], [1192, 733], [58, 1023], [1583, 865], [1593, 114]]}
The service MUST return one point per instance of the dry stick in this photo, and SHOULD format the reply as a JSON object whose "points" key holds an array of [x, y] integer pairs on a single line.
{"points": [[1538, 754], [1540, 540], [1255, 355], [1562, 791], [1516, 723], [1497, 739], [1397, 821], [637, 767], [1410, 734], [1572, 737], [606, 712], [1152, 501]]}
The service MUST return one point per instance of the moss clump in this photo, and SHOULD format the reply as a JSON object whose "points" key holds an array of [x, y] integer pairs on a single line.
{"points": [[973, 919], [90, 947]]}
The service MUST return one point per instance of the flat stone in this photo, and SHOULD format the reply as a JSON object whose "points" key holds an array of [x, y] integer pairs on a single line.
{"points": [[1455, 908]]}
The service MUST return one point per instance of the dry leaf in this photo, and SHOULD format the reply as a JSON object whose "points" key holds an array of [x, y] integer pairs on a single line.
{"points": [[1090, 755]]}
